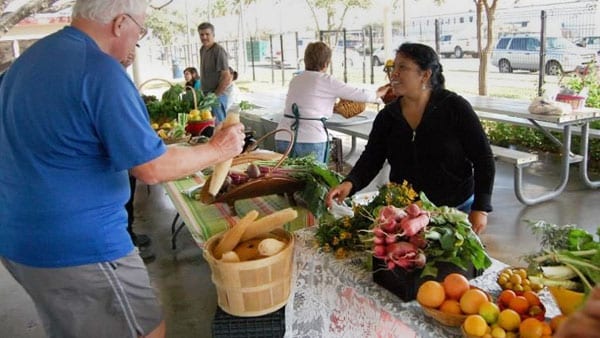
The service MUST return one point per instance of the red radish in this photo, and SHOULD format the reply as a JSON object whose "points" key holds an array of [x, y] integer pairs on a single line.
{"points": [[378, 232], [389, 226], [390, 212], [400, 249], [379, 240], [420, 260], [413, 210], [379, 251], [411, 226], [390, 239]]}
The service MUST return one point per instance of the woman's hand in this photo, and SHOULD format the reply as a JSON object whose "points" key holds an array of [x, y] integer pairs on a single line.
{"points": [[479, 220], [381, 91], [338, 193]]}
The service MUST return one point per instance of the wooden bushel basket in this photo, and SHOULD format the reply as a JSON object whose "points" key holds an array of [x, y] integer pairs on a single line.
{"points": [[348, 108], [253, 288]]}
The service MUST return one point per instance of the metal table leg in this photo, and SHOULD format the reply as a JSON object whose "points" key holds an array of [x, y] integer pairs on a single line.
{"points": [[583, 166], [566, 160]]}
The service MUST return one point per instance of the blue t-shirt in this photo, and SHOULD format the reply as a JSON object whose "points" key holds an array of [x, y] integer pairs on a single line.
{"points": [[71, 124]]}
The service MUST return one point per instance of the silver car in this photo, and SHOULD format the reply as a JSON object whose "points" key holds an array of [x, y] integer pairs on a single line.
{"points": [[522, 51]]}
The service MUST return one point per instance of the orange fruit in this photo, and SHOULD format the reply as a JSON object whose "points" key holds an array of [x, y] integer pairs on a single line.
{"points": [[531, 328], [509, 320], [471, 300], [431, 294], [455, 285], [475, 325], [451, 306], [506, 296], [556, 321], [546, 329], [532, 298], [519, 304], [498, 332], [489, 311]]}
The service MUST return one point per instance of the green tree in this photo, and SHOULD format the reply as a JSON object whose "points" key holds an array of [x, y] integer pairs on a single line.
{"points": [[165, 25], [487, 7], [335, 17]]}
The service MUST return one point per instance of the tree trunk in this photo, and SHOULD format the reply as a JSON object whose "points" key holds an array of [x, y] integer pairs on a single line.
{"points": [[8, 20]]}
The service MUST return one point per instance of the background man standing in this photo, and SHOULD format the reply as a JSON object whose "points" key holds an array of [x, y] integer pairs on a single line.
{"points": [[214, 69]]}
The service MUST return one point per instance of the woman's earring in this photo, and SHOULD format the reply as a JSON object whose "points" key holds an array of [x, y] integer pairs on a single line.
{"points": [[424, 87]]}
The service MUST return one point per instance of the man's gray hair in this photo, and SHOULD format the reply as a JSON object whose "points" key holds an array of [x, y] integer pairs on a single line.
{"points": [[106, 10]]}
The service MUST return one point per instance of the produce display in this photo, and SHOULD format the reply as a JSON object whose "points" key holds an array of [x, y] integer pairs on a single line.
{"points": [[455, 302], [517, 279], [309, 178], [569, 257], [178, 108], [406, 233]]}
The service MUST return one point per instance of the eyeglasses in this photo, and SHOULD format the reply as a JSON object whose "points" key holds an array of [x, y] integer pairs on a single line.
{"points": [[143, 30]]}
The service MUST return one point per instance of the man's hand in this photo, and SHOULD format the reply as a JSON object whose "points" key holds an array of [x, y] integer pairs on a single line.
{"points": [[228, 141]]}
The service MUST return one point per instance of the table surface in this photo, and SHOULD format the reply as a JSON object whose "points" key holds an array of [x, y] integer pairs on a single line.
{"points": [[338, 298], [206, 220], [519, 108]]}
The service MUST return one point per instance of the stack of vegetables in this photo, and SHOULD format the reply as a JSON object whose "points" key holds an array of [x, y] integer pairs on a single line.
{"points": [[176, 100], [311, 179], [568, 262], [569, 256], [405, 233]]}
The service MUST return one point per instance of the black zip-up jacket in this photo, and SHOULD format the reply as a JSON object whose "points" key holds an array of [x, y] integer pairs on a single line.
{"points": [[448, 155]]}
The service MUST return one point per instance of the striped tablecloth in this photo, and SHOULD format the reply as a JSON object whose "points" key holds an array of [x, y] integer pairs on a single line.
{"points": [[206, 220]]}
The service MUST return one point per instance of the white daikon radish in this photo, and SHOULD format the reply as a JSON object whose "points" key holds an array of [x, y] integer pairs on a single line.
{"points": [[221, 170]]}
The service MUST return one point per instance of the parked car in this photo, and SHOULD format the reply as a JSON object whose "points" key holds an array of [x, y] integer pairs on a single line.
{"points": [[457, 46], [522, 51], [590, 42]]}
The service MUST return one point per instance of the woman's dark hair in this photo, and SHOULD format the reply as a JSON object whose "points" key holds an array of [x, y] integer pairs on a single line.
{"points": [[316, 56], [426, 58], [192, 70]]}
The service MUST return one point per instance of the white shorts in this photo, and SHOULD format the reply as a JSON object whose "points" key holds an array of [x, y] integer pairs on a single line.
{"points": [[109, 299]]}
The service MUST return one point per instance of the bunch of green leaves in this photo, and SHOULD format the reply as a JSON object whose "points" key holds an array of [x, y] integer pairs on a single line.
{"points": [[318, 178], [177, 100], [568, 245], [451, 239], [203, 101]]}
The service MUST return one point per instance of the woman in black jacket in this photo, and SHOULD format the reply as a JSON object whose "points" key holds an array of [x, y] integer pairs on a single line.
{"points": [[431, 138]]}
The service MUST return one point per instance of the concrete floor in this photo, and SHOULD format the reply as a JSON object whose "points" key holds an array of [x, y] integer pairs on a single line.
{"points": [[182, 278]]}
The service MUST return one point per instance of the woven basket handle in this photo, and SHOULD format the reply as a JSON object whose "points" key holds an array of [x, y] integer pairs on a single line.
{"points": [[139, 88], [195, 97], [272, 132]]}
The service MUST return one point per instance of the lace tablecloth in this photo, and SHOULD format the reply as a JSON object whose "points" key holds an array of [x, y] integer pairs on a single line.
{"points": [[338, 298]]}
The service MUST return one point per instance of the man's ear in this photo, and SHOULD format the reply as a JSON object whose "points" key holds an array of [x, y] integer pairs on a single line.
{"points": [[117, 24]]}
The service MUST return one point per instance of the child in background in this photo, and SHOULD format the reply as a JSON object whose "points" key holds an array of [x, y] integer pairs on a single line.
{"points": [[192, 79], [232, 90]]}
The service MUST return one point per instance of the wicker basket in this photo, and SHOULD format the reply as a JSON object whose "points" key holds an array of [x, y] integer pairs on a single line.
{"points": [[348, 108], [577, 102], [444, 318], [253, 288], [449, 319]]}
